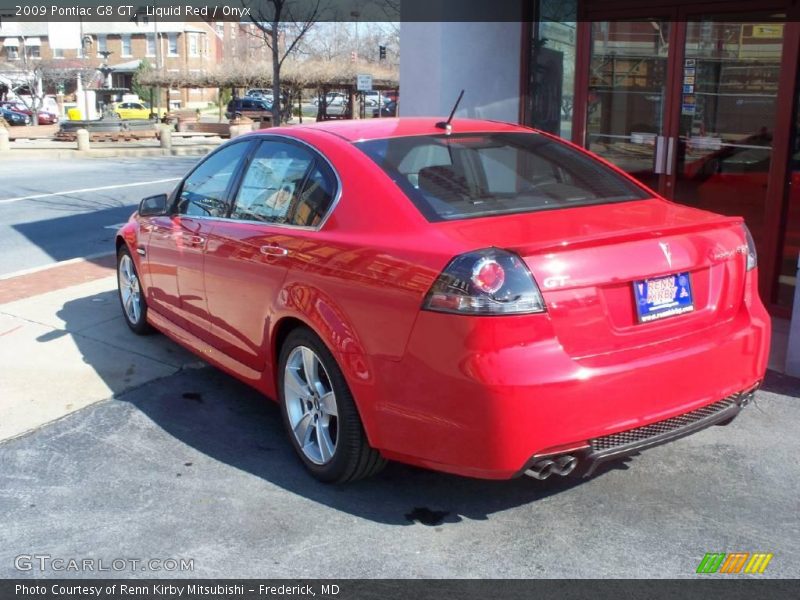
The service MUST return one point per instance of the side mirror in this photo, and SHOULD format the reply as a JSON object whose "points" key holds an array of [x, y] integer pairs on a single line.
{"points": [[153, 206]]}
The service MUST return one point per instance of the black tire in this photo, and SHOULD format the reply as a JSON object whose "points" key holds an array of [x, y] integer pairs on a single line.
{"points": [[137, 319], [353, 458]]}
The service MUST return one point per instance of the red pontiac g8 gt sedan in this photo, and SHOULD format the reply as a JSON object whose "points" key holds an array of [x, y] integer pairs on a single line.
{"points": [[481, 299]]}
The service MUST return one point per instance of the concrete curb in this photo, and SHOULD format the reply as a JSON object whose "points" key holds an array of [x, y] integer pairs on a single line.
{"points": [[66, 154]]}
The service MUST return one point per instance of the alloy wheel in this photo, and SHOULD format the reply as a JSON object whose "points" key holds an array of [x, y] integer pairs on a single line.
{"points": [[311, 405], [130, 291]]}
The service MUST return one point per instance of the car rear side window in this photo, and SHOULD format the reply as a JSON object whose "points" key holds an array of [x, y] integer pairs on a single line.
{"points": [[484, 174], [316, 198], [272, 185]]}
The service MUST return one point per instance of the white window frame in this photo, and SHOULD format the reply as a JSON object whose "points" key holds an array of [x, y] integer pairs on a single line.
{"points": [[172, 41], [126, 39], [194, 49], [150, 44], [102, 43]]}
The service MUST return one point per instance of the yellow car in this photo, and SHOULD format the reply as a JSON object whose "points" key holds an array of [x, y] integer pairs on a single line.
{"points": [[135, 110]]}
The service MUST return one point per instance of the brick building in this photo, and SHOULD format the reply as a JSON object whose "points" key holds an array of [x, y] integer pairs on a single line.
{"points": [[178, 47]]}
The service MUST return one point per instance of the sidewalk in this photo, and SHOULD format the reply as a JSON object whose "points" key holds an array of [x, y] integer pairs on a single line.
{"points": [[64, 345], [38, 149]]}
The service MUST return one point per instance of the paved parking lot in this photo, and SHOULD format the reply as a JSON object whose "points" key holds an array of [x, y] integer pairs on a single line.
{"points": [[195, 465]]}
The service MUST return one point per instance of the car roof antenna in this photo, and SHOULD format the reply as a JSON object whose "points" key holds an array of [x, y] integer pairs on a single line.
{"points": [[446, 124]]}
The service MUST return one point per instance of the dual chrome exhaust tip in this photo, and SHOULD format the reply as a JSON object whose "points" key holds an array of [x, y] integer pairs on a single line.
{"points": [[561, 465]]}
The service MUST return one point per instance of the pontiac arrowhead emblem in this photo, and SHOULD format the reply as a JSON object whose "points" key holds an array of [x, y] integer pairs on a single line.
{"points": [[667, 253]]}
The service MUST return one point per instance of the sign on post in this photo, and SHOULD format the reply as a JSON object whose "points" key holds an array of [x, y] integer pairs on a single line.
{"points": [[364, 83]]}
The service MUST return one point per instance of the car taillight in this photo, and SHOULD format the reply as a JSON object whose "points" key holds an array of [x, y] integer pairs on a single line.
{"points": [[752, 255], [485, 282]]}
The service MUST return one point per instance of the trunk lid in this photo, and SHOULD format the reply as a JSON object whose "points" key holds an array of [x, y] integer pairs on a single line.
{"points": [[587, 260]]}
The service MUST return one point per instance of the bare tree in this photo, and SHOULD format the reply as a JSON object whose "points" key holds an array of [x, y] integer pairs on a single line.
{"points": [[26, 82], [32, 79], [281, 27]]}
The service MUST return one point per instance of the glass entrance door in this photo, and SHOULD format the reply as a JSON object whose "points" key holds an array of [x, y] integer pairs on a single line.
{"points": [[726, 108], [688, 104], [627, 98]]}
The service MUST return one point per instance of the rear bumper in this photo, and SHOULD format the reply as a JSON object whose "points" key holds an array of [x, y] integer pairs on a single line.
{"points": [[631, 442], [481, 396]]}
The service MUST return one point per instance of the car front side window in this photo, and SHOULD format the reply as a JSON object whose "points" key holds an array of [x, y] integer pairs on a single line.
{"points": [[203, 193]]}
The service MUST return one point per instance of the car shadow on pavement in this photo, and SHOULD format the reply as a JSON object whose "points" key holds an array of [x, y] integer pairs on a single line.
{"points": [[233, 424], [230, 422]]}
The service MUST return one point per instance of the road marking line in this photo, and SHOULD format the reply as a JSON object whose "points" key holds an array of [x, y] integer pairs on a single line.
{"points": [[84, 190], [70, 261]]}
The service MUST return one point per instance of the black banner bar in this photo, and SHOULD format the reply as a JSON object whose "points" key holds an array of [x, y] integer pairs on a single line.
{"points": [[716, 587], [148, 11]]}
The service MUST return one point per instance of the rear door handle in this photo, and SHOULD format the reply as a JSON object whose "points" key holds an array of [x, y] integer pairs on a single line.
{"points": [[273, 250]]}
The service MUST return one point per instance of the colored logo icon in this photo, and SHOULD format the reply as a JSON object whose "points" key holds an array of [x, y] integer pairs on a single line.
{"points": [[734, 562]]}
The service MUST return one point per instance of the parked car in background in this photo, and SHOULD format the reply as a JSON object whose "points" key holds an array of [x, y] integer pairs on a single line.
{"points": [[135, 110], [253, 108], [13, 117], [388, 110], [45, 117], [477, 298], [263, 93], [332, 99], [373, 98]]}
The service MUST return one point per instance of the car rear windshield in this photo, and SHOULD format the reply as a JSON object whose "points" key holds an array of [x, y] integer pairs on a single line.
{"points": [[461, 176]]}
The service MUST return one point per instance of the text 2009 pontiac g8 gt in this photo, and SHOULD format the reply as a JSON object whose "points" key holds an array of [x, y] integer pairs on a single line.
{"points": [[488, 300]]}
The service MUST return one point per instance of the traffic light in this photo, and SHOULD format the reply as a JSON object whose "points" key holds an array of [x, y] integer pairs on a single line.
{"points": [[382, 52]]}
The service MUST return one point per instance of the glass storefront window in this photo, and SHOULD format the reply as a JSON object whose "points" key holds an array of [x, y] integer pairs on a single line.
{"points": [[728, 100], [552, 73], [627, 90], [790, 242]]}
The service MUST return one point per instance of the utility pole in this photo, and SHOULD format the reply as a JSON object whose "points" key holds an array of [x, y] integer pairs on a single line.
{"points": [[355, 14], [158, 67]]}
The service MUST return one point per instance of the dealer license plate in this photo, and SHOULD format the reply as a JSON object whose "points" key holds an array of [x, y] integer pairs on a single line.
{"points": [[663, 297]]}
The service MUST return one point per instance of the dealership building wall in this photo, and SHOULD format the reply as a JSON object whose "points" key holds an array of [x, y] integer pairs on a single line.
{"points": [[439, 59], [722, 92]]}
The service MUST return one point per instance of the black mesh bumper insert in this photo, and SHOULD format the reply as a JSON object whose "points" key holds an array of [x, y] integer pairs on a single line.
{"points": [[642, 434]]}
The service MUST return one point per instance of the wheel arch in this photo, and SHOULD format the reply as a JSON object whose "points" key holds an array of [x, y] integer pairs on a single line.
{"points": [[329, 324]]}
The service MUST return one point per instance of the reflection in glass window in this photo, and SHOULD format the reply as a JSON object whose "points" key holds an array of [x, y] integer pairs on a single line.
{"points": [[727, 107], [316, 198], [272, 183], [790, 246], [552, 73], [627, 90]]}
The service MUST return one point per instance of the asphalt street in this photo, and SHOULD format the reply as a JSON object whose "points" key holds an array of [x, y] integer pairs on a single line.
{"points": [[197, 466], [52, 211]]}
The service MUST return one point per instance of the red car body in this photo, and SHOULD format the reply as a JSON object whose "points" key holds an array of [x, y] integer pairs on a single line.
{"points": [[481, 396]]}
